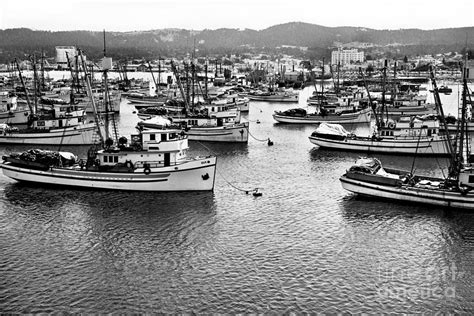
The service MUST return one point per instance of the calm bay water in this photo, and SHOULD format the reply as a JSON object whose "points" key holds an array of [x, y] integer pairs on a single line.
{"points": [[306, 245]]}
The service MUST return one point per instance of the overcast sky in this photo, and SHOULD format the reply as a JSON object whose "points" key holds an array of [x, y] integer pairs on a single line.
{"points": [[128, 15]]}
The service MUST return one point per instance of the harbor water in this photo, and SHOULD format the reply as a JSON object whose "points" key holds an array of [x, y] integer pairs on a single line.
{"points": [[305, 245]]}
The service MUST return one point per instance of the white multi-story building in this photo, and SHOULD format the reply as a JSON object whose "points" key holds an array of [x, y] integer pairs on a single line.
{"points": [[61, 55], [346, 56]]}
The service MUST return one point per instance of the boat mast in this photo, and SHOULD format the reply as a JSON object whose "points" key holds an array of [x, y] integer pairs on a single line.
{"points": [[464, 128], [152, 75], [180, 86], [454, 164], [384, 79], [25, 88], [106, 65], [43, 85], [371, 104], [322, 84], [159, 76], [35, 83], [87, 78], [205, 80], [73, 84]]}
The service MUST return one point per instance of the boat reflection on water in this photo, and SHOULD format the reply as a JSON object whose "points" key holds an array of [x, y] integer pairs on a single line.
{"points": [[94, 201]]}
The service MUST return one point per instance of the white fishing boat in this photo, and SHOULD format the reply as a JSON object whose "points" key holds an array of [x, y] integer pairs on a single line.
{"points": [[368, 177], [300, 116], [212, 122], [154, 161], [61, 125], [403, 137]]}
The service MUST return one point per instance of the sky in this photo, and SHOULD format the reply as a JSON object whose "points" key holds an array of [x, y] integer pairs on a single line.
{"points": [[140, 15]]}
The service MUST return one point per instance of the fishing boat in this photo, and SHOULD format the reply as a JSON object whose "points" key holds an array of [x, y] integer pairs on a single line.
{"points": [[273, 96], [207, 122], [300, 116], [10, 112], [211, 120], [408, 135], [153, 160], [141, 100], [368, 177], [199, 128]]}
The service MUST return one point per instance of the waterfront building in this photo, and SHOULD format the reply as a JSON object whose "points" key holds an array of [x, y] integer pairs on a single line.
{"points": [[346, 56]]}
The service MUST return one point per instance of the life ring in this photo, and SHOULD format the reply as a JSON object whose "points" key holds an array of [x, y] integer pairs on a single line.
{"points": [[146, 169], [128, 164], [391, 125]]}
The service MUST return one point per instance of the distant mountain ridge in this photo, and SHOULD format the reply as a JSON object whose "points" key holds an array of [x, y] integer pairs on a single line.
{"points": [[172, 41]]}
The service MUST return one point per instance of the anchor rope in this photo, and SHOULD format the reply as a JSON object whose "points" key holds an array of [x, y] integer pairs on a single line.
{"points": [[257, 139], [225, 179]]}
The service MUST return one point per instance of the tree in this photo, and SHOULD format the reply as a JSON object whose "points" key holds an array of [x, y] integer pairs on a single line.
{"points": [[405, 59]]}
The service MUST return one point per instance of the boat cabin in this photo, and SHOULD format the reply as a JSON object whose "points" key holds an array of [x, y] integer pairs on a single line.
{"points": [[410, 127], [60, 115], [151, 148]]}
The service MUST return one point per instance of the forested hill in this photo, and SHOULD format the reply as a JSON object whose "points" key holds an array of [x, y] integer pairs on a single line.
{"points": [[15, 42]]}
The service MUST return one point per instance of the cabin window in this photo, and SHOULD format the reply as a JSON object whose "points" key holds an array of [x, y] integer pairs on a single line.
{"points": [[152, 137], [471, 179], [163, 137], [115, 159], [212, 109], [105, 159]]}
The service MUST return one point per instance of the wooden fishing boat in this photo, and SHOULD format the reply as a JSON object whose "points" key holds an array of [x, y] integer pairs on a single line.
{"points": [[403, 137], [155, 160], [368, 177], [275, 96], [300, 116]]}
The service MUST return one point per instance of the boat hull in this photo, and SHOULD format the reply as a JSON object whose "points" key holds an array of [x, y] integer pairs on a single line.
{"points": [[77, 135], [227, 134], [405, 193], [435, 147], [360, 117], [195, 175], [276, 98]]}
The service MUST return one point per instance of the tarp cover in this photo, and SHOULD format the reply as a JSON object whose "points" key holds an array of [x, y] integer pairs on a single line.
{"points": [[332, 129]]}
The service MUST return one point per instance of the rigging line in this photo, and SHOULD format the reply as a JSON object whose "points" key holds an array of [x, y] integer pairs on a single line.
{"points": [[260, 140], [225, 179], [416, 151], [437, 161]]}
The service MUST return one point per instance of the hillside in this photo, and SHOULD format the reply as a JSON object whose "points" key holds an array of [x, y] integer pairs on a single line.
{"points": [[148, 44]]}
